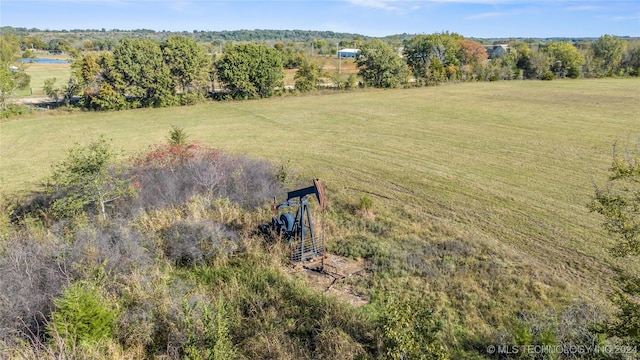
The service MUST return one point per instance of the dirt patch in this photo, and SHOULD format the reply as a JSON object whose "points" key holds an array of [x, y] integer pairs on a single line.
{"points": [[335, 276], [33, 100]]}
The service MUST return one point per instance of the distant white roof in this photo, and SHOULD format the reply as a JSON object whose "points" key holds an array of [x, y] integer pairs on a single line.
{"points": [[349, 50]]}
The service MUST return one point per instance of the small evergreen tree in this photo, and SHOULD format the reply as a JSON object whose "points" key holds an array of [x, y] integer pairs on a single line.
{"points": [[619, 203], [177, 136], [82, 315]]}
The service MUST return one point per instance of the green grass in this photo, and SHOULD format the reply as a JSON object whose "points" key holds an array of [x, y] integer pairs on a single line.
{"points": [[505, 168], [41, 72]]}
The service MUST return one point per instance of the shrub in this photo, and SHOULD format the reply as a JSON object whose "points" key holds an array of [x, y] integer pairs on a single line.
{"points": [[171, 175], [10, 110], [410, 330], [194, 243], [86, 178], [31, 275], [115, 248], [207, 333], [366, 203], [36, 263], [107, 98], [578, 325], [82, 315]]}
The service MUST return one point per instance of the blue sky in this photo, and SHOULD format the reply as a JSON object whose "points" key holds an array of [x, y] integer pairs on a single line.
{"points": [[470, 18]]}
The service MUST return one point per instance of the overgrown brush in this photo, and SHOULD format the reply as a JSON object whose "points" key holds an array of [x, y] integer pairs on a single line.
{"points": [[32, 274], [188, 243], [276, 316], [171, 175], [91, 181]]}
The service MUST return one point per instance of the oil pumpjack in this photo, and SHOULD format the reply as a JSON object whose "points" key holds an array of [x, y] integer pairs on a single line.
{"points": [[292, 220]]}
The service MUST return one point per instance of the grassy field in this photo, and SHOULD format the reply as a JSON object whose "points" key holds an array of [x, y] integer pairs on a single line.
{"points": [[41, 72], [497, 173]]}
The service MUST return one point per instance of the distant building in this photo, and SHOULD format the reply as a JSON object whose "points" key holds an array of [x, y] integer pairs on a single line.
{"points": [[348, 53], [56, 52], [496, 51]]}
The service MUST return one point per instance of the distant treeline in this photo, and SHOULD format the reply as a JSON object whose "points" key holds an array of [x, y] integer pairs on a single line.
{"points": [[105, 39], [113, 35]]}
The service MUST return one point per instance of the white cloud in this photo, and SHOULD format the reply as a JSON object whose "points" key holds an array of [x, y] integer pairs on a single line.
{"points": [[377, 4]]}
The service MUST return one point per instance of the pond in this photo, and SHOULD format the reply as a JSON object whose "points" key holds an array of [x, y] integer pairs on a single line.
{"points": [[45, 61]]}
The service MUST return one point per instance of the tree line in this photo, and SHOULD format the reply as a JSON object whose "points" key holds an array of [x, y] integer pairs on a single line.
{"points": [[140, 72], [106, 39], [143, 72], [448, 57]]}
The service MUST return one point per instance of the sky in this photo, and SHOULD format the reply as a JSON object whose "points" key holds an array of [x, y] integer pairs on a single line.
{"points": [[376, 18]]}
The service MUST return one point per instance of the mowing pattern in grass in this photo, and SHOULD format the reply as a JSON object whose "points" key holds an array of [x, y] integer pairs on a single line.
{"points": [[479, 190], [41, 72]]}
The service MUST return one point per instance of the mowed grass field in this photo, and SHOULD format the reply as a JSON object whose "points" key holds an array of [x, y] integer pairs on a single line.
{"points": [[504, 167], [41, 72]]}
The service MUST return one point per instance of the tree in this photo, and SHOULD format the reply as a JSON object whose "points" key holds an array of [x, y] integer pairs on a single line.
{"points": [[471, 52], [428, 55], [565, 59], [107, 98], [187, 62], [619, 203], [12, 78], [538, 66], [28, 54], [7, 86], [144, 73], [318, 46], [102, 85], [33, 42], [609, 51], [631, 58], [380, 66], [307, 76], [250, 70], [178, 136], [9, 49], [65, 93], [50, 90], [86, 70], [86, 178]]}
